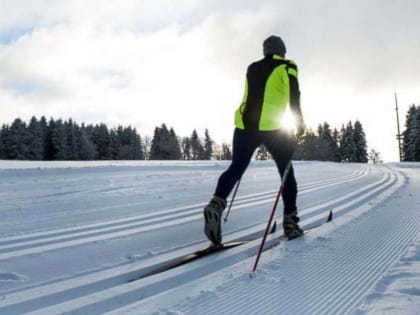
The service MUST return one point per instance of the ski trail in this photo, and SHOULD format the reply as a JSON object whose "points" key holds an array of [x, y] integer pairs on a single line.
{"points": [[99, 292], [11, 247], [338, 203], [158, 213], [327, 278]]}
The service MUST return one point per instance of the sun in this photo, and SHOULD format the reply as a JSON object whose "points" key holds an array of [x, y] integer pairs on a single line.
{"points": [[288, 121]]}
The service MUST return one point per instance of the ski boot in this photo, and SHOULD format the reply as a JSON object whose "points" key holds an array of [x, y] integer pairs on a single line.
{"points": [[213, 218], [291, 227]]}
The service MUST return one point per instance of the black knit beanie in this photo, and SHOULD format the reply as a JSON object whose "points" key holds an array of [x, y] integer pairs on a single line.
{"points": [[274, 45]]}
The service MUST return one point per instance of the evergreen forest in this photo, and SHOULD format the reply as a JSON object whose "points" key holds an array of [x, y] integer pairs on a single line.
{"points": [[40, 139]]}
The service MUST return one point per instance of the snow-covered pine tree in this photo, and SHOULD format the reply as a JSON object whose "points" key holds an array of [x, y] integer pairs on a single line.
{"points": [[86, 148], [408, 144], [58, 140], [125, 135], [307, 148], [16, 142], [359, 140], [155, 148], [226, 152], [4, 133], [411, 135], [166, 150], [137, 145], [197, 149], [186, 149], [165, 145], [417, 135], [101, 139], [327, 146], [322, 144], [72, 140], [347, 146], [114, 144], [36, 140], [44, 129], [174, 147], [208, 146]]}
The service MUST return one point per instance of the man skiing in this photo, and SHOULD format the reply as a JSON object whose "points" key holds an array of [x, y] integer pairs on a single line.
{"points": [[271, 84]]}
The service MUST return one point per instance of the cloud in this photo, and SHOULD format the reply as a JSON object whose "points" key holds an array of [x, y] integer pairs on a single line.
{"points": [[183, 62], [123, 76]]}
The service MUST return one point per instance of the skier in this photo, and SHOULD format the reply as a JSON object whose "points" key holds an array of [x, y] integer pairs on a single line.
{"points": [[271, 84]]}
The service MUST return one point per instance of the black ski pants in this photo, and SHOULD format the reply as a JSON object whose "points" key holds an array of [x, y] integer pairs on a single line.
{"points": [[280, 145]]}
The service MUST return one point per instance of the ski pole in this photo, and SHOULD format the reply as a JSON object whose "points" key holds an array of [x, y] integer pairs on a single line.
{"points": [[233, 198], [286, 172]]}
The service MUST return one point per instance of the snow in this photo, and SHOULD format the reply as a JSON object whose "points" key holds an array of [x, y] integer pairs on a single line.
{"points": [[74, 234]]}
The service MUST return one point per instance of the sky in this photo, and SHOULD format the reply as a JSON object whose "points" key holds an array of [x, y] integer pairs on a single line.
{"points": [[183, 62]]}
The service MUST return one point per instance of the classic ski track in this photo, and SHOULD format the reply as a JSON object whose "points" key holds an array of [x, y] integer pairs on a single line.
{"points": [[78, 294], [34, 243], [40, 198], [334, 286], [362, 171]]}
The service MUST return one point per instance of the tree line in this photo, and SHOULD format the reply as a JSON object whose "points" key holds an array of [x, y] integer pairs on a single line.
{"points": [[166, 145], [347, 145], [67, 140], [411, 135]]}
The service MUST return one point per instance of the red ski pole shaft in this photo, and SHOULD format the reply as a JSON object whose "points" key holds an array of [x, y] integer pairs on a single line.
{"points": [[233, 198], [273, 211]]}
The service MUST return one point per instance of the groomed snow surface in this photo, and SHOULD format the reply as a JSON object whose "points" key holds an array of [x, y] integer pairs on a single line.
{"points": [[74, 235]]}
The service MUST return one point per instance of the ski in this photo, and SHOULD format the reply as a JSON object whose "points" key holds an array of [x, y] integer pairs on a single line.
{"points": [[191, 257], [306, 230], [204, 252], [317, 225], [313, 227], [215, 249]]}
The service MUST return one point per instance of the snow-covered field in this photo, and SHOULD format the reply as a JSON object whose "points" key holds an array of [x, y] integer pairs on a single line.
{"points": [[73, 235]]}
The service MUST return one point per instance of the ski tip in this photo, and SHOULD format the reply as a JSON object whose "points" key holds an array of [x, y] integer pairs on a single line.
{"points": [[330, 216]]}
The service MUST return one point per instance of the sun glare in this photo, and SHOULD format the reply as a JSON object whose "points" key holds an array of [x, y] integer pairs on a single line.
{"points": [[288, 121]]}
